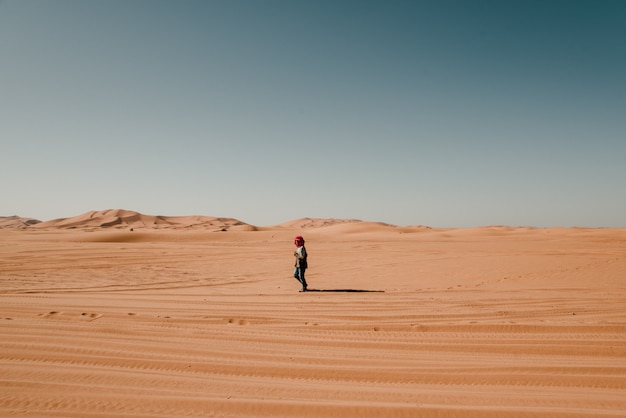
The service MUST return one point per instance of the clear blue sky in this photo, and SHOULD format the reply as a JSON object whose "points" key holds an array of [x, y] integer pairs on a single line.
{"points": [[442, 113]]}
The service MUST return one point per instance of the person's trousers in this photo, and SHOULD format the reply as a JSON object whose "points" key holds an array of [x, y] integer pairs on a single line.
{"points": [[298, 273]]}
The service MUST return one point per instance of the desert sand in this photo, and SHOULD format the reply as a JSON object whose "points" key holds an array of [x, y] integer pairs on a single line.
{"points": [[201, 317]]}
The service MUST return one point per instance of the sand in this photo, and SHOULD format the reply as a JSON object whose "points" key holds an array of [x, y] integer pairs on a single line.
{"points": [[177, 320]]}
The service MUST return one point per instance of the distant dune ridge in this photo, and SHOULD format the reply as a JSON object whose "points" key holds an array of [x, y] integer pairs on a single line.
{"points": [[17, 222], [315, 222], [128, 219], [124, 219], [121, 219]]}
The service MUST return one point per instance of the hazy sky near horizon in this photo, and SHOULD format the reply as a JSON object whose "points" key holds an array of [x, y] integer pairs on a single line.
{"points": [[440, 113]]}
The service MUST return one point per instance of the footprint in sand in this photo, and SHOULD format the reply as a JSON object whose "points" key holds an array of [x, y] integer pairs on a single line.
{"points": [[91, 316], [238, 321], [50, 314]]}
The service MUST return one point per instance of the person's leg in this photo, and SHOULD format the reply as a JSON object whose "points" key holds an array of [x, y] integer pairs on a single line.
{"points": [[302, 279], [296, 274]]}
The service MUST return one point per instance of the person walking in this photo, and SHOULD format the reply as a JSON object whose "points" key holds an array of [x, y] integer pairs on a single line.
{"points": [[301, 262]]}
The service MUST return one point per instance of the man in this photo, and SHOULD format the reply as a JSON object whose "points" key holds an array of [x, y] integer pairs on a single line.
{"points": [[301, 264]]}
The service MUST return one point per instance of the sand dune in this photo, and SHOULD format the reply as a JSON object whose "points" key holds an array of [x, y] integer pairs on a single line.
{"points": [[171, 321], [307, 223], [16, 222], [119, 218], [128, 219]]}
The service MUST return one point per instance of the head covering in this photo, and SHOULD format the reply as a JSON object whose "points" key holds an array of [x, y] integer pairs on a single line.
{"points": [[298, 241]]}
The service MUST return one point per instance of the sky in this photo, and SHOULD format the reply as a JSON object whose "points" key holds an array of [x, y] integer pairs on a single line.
{"points": [[440, 113]]}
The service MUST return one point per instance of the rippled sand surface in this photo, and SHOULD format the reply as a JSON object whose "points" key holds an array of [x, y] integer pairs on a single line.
{"points": [[401, 322]]}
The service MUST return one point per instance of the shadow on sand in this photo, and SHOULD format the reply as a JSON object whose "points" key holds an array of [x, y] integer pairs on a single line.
{"points": [[346, 290]]}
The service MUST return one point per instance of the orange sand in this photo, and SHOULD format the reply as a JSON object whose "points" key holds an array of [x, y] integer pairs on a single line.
{"points": [[181, 319]]}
